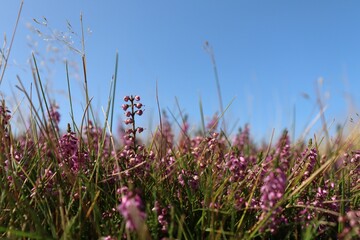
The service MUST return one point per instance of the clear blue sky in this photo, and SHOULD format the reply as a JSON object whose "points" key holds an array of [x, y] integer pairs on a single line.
{"points": [[268, 53]]}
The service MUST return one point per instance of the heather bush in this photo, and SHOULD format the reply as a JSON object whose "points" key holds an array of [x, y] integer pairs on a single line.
{"points": [[83, 185]]}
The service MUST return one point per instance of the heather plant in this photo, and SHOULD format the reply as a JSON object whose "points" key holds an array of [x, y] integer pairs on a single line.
{"points": [[85, 182], [242, 139], [86, 186]]}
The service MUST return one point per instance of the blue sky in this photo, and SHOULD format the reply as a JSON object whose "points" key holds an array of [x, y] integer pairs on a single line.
{"points": [[269, 55]]}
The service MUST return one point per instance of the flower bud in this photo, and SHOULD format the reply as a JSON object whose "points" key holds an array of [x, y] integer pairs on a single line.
{"points": [[125, 106], [128, 121]]}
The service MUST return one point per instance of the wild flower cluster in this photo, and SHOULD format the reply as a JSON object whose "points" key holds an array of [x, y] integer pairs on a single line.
{"points": [[87, 183]]}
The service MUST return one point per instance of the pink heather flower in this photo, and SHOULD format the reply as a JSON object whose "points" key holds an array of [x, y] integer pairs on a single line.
{"points": [[68, 144], [122, 190], [128, 121], [125, 106], [312, 156], [132, 153], [70, 154], [236, 165], [54, 114], [273, 188], [108, 238], [127, 137], [271, 193], [80, 161], [129, 131], [189, 178], [139, 112], [352, 225], [162, 214], [308, 159], [283, 151], [137, 98], [242, 138], [354, 168], [126, 98], [354, 218], [5, 114], [131, 209]]}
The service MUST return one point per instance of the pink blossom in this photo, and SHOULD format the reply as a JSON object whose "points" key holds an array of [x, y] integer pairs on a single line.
{"points": [[125, 106], [131, 209]]}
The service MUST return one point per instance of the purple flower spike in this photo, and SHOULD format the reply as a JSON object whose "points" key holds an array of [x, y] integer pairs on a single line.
{"points": [[271, 193], [130, 208]]}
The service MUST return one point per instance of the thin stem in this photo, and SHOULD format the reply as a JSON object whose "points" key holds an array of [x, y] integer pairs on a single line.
{"points": [[11, 42], [133, 113], [114, 90], [69, 93], [210, 51]]}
